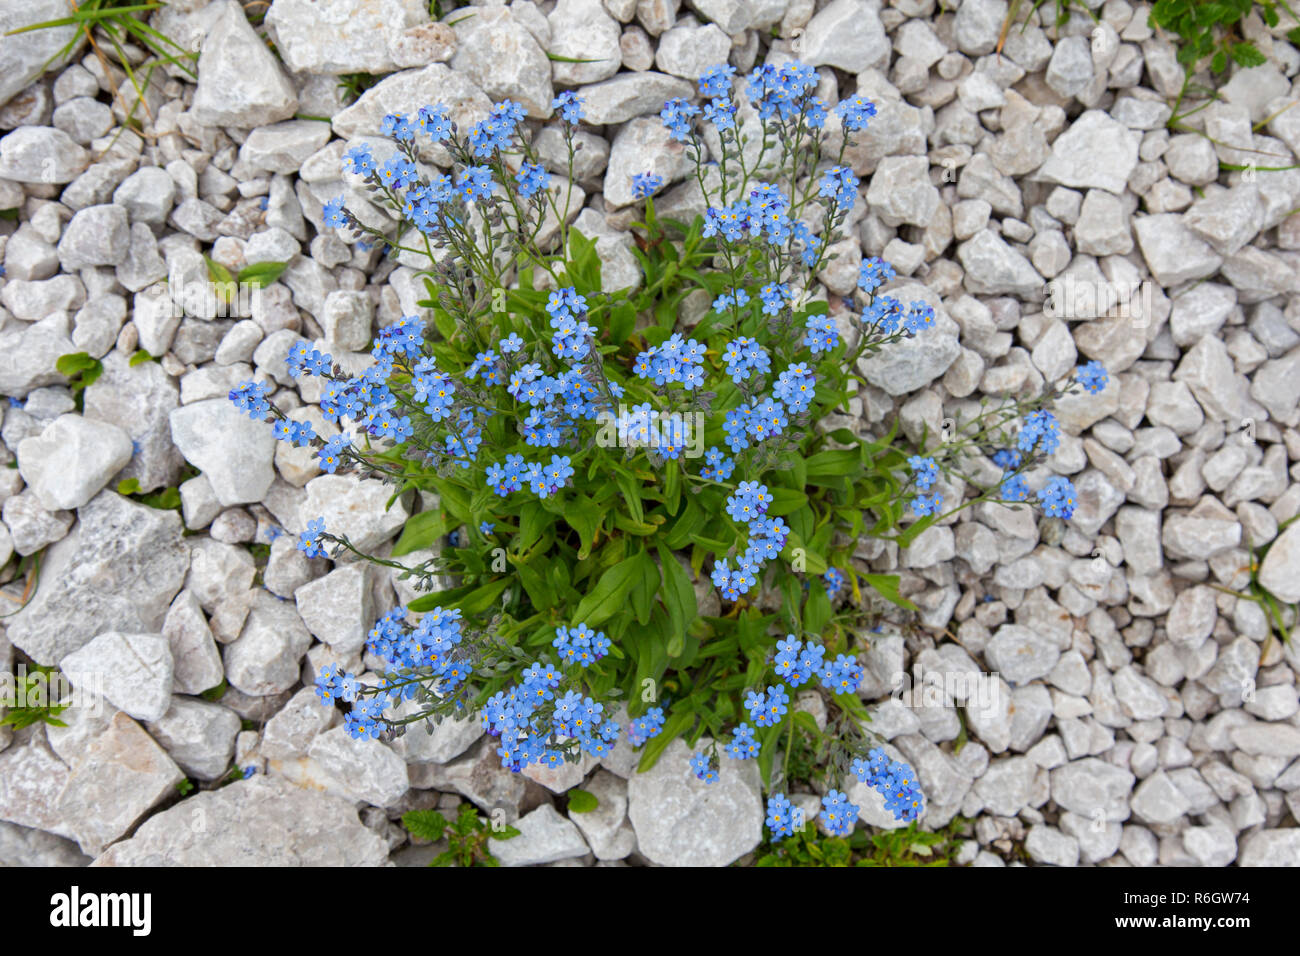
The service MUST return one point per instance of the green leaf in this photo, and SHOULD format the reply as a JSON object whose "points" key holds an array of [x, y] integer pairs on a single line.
{"points": [[677, 723], [425, 824], [139, 357], [679, 601], [421, 531], [217, 272], [886, 585], [581, 801], [261, 274], [128, 486], [785, 500], [610, 593]]}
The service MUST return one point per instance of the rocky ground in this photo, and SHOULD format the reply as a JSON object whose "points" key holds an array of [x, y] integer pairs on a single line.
{"points": [[1144, 714]]}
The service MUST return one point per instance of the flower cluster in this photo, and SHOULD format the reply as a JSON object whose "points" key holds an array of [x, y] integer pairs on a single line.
{"points": [[894, 781], [766, 537]]}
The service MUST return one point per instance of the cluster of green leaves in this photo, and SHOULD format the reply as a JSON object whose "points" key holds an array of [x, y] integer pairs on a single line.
{"points": [[467, 837], [33, 690], [168, 499], [1209, 28], [604, 551], [909, 846], [257, 276], [81, 370]]}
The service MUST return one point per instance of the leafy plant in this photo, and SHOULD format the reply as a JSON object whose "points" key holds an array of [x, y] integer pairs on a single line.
{"points": [[1209, 28], [169, 499], [352, 85], [908, 846], [29, 698], [257, 276], [466, 838], [598, 556], [81, 370]]}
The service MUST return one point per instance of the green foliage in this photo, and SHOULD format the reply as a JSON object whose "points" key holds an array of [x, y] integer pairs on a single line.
{"points": [[169, 499], [31, 701], [139, 357], [81, 371], [466, 838], [582, 801], [604, 551], [909, 846], [352, 85], [186, 787], [1209, 28], [257, 276]]}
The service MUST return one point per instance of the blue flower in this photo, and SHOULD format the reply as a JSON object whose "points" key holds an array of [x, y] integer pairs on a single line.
{"points": [[676, 116], [840, 185], [1015, 489], [716, 81], [873, 273], [485, 528], [1041, 429], [781, 816], [309, 542], [1058, 497], [1092, 376], [774, 296], [569, 105], [512, 343], [475, 182], [646, 726], [927, 505], [838, 815], [249, 397], [646, 184], [1007, 458], [333, 215], [822, 336], [925, 471], [531, 178], [855, 112], [703, 768]]}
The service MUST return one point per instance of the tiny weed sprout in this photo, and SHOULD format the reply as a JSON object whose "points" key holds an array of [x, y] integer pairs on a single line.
{"points": [[642, 517]]}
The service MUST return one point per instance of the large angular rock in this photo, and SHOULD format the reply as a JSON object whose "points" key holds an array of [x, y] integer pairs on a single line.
{"points": [[138, 400], [406, 92], [261, 821], [1172, 251], [198, 735], [354, 508], [264, 660], [368, 769], [132, 671], [605, 828], [1271, 848], [1096, 152], [499, 54], [643, 145], [544, 837], [913, 363], [994, 268], [339, 608], [682, 821], [196, 663], [42, 155], [1280, 572], [71, 460], [582, 30], [241, 82], [118, 570], [1092, 787], [629, 95], [342, 36], [118, 773], [846, 34], [236, 453]]}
